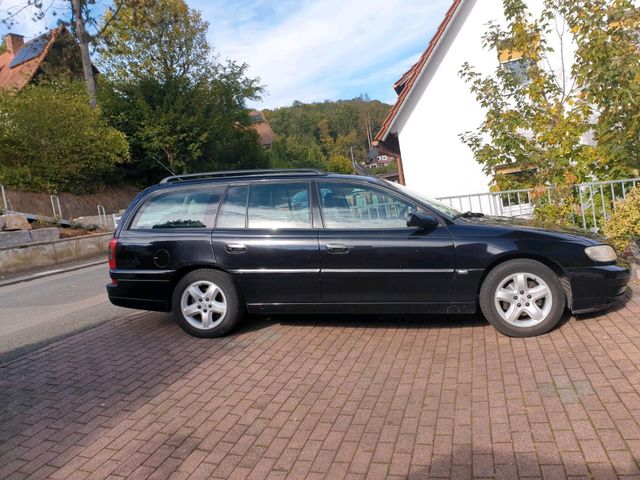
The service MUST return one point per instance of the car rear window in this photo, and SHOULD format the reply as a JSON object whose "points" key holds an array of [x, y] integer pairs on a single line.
{"points": [[179, 209]]}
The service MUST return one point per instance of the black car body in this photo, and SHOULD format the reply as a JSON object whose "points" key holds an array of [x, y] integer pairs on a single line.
{"points": [[307, 241]]}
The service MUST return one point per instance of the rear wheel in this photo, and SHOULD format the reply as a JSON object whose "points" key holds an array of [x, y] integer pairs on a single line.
{"points": [[522, 298], [206, 303]]}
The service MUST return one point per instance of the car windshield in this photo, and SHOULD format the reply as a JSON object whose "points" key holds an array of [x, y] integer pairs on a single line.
{"points": [[436, 205]]}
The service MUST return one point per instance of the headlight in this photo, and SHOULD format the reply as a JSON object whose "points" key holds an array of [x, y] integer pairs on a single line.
{"points": [[601, 253]]}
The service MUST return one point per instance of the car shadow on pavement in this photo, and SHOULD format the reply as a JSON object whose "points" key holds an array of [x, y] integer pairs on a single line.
{"points": [[421, 321]]}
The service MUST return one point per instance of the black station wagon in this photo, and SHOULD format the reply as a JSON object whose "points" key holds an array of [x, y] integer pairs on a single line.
{"points": [[209, 247]]}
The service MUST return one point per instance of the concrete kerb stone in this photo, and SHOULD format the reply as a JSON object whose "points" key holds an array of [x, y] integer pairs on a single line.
{"points": [[45, 234], [66, 251]]}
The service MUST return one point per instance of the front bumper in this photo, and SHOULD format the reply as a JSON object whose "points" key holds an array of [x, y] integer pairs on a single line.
{"points": [[597, 287]]}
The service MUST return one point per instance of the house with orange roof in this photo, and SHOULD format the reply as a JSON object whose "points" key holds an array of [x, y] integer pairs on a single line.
{"points": [[52, 54], [260, 124], [435, 106]]}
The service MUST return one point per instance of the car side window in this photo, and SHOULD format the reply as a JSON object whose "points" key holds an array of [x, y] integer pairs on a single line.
{"points": [[233, 211], [354, 205], [279, 205], [179, 209]]}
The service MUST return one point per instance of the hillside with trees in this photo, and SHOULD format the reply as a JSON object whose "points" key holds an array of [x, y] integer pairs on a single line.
{"points": [[321, 135]]}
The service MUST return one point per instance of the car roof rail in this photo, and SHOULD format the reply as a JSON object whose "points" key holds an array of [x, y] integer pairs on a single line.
{"points": [[243, 173]]}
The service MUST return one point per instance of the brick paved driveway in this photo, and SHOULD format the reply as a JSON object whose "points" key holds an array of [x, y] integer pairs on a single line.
{"points": [[366, 397]]}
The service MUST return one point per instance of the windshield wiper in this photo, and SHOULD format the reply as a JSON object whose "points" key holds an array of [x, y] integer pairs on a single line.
{"points": [[468, 214]]}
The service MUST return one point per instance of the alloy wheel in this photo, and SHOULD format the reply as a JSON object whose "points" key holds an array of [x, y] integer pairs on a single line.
{"points": [[523, 299], [203, 305]]}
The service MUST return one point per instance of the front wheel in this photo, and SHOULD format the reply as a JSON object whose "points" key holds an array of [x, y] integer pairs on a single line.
{"points": [[205, 303], [522, 298]]}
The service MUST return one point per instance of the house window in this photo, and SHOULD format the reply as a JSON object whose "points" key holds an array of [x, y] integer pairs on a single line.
{"points": [[518, 68], [514, 61]]}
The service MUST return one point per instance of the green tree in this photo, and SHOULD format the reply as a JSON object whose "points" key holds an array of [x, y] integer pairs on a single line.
{"points": [[52, 140], [607, 69], [297, 151], [165, 41], [537, 117], [339, 164], [177, 104]]}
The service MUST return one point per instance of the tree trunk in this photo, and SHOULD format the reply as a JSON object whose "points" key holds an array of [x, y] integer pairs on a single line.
{"points": [[83, 40]]}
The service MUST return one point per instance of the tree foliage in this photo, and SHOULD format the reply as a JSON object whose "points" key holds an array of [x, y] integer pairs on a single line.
{"points": [[560, 116], [165, 41], [321, 135], [607, 70], [177, 104], [52, 140]]}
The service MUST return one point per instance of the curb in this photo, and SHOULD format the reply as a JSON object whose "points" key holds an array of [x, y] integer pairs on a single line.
{"points": [[36, 275]]}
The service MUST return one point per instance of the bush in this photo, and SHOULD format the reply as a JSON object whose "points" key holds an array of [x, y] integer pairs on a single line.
{"points": [[339, 164], [556, 206], [52, 140], [623, 227]]}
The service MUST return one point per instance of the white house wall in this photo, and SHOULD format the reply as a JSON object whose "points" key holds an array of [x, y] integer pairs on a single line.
{"points": [[441, 107]]}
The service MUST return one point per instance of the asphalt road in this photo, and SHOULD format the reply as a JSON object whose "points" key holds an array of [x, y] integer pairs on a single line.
{"points": [[36, 312]]}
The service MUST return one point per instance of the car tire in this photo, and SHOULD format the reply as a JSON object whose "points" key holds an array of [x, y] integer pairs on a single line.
{"points": [[206, 303], [522, 298]]}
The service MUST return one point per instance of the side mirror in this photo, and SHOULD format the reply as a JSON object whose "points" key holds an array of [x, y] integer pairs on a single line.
{"points": [[421, 220]]}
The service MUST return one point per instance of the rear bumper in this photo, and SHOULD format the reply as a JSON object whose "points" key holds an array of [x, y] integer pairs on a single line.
{"points": [[142, 290], [136, 303], [596, 288]]}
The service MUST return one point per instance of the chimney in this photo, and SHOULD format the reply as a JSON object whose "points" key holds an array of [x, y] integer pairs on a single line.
{"points": [[13, 42]]}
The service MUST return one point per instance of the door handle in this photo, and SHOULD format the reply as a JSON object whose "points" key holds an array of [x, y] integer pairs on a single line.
{"points": [[338, 248], [235, 248]]}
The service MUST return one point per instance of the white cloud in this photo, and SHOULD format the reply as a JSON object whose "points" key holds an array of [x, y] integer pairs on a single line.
{"points": [[315, 50]]}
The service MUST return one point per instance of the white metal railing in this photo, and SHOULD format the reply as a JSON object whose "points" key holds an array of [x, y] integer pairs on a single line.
{"points": [[6, 203], [593, 202], [55, 206], [102, 215]]}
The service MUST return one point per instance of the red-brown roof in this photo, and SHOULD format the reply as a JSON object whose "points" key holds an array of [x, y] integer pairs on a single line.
{"points": [[20, 75], [262, 127], [405, 84], [264, 131]]}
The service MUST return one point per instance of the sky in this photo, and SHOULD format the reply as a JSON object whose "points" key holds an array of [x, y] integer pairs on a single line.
{"points": [[309, 50]]}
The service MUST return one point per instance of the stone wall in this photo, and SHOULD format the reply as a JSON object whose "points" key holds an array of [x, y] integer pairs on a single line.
{"points": [[46, 254]]}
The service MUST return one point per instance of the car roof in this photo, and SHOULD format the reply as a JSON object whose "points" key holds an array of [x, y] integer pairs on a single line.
{"points": [[215, 178]]}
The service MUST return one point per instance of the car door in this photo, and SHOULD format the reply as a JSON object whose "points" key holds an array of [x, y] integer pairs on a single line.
{"points": [[264, 237], [369, 255]]}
